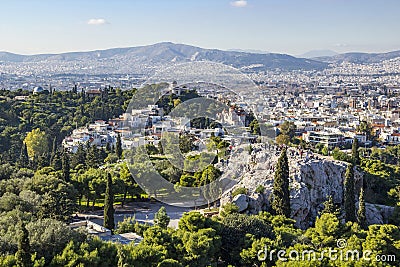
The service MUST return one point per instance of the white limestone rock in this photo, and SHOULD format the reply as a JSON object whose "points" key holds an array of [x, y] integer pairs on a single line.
{"points": [[312, 180], [242, 201]]}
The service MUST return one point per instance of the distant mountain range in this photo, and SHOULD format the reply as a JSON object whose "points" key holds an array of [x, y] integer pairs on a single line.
{"points": [[152, 56], [360, 58], [253, 51], [143, 59], [318, 53]]}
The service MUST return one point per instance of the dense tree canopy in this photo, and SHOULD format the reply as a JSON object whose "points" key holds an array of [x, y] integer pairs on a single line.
{"points": [[42, 186]]}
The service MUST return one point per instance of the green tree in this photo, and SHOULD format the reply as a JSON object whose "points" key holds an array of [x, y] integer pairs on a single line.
{"points": [[325, 151], [193, 221], [282, 139], [361, 216], [23, 255], [186, 142], [79, 157], [201, 247], [366, 129], [127, 181], [339, 155], [118, 148], [36, 143], [330, 207], [23, 157], [349, 203], [54, 149], [249, 256], [144, 255], [229, 208], [355, 154], [235, 228], [383, 240], [58, 196], [151, 149], [109, 205], [93, 157], [88, 181], [65, 167], [327, 229], [288, 128], [49, 237], [260, 189], [255, 127], [90, 253], [56, 161], [161, 218], [281, 194]]}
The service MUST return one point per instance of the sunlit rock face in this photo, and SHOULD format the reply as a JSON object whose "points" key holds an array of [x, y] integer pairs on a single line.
{"points": [[312, 179]]}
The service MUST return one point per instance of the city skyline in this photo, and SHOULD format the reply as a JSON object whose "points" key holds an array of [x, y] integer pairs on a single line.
{"points": [[290, 27]]}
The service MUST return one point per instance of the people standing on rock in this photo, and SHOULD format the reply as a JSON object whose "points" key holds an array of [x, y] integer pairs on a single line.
{"points": [[307, 155]]}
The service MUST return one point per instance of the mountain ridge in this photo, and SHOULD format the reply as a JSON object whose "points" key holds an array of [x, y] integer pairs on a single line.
{"points": [[360, 57], [167, 52], [146, 58], [318, 53]]}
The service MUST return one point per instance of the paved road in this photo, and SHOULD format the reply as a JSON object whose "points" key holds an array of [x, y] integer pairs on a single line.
{"points": [[143, 212]]}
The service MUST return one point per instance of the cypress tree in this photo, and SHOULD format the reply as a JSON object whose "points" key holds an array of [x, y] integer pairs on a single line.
{"points": [[23, 157], [161, 218], [118, 148], [65, 166], [79, 157], [108, 148], [91, 157], [109, 205], [43, 161], [355, 154], [56, 163], [349, 203], [54, 149], [361, 216], [23, 256], [281, 194]]}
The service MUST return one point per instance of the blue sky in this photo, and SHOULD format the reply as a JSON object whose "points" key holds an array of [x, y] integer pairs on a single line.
{"points": [[283, 26]]}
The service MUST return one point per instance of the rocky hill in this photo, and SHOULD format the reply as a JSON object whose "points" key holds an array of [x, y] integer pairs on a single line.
{"points": [[312, 179]]}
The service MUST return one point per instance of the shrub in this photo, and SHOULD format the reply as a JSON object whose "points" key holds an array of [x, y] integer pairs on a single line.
{"points": [[260, 189], [238, 191]]}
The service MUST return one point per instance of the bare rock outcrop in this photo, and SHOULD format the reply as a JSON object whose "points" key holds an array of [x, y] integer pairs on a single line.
{"points": [[312, 179]]}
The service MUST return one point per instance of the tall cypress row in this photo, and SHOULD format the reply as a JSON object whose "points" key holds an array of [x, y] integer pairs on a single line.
{"points": [[281, 193], [109, 205], [349, 203]]}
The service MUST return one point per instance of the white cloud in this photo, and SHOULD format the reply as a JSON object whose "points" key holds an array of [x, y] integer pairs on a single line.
{"points": [[97, 22], [239, 3]]}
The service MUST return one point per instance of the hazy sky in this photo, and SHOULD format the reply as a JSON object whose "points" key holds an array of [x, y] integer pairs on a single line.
{"points": [[284, 26]]}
